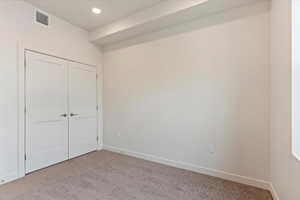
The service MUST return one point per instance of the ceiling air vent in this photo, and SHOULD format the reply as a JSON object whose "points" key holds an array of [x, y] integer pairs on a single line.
{"points": [[41, 18]]}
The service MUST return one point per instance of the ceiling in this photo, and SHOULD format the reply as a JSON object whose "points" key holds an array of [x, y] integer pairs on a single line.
{"points": [[78, 12]]}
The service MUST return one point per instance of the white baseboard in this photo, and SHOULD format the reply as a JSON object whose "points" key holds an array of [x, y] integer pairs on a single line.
{"points": [[273, 192], [9, 177], [100, 147], [202, 170]]}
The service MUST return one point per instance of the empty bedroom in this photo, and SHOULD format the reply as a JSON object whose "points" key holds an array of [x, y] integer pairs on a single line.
{"points": [[149, 99]]}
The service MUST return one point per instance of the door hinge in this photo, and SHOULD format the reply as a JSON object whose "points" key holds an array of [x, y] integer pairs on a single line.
{"points": [[25, 157], [97, 138], [97, 107], [25, 109]]}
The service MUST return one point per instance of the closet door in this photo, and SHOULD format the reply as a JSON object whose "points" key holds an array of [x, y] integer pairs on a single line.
{"points": [[82, 108], [46, 116]]}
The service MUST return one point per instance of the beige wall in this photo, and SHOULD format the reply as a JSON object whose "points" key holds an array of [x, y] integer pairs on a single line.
{"points": [[17, 28], [185, 96], [285, 169]]}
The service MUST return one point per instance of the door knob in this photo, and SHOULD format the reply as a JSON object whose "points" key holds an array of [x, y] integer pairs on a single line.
{"points": [[64, 115], [72, 114]]}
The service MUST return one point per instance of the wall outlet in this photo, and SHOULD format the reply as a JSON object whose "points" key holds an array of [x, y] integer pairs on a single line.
{"points": [[212, 149]]}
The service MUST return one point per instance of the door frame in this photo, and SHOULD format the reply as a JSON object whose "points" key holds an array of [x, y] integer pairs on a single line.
{"points": [[21, 57]]}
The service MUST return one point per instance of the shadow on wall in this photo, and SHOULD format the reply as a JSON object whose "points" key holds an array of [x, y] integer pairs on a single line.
{"points": [[208, 21]]}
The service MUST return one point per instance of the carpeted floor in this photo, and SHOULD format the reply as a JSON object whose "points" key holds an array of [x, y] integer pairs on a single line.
{"points": [[109, 176]]}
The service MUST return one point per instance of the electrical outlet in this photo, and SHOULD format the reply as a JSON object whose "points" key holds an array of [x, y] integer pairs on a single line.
{"points": [[212, 149]]}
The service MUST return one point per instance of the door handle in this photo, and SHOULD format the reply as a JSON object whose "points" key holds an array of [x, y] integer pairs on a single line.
{"points": [[64, 115], [72, 114]]}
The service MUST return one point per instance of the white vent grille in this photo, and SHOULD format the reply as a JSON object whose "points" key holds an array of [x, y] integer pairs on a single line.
{"points": [[41, 18]]}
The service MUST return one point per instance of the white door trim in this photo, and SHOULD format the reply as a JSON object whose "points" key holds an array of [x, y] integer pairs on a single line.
{"points": [[21, 111], [22, 48]]}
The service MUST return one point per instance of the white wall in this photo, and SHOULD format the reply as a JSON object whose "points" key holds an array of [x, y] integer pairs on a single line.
{"points": [[180, 96], [17, 28], [285, 169]]}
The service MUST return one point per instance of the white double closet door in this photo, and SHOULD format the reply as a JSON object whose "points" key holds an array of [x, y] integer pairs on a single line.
{"points": [[61, 110]]}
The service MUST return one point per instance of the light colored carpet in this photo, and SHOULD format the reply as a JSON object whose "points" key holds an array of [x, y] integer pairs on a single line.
{"points": [[109, 176]]}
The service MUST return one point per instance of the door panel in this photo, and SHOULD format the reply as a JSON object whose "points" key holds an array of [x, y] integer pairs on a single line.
{"points": [[82, 136], [46, 99], [82, 108]]}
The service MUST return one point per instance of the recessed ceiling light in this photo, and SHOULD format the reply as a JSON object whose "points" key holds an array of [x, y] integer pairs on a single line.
{"points": [[96, 11]]}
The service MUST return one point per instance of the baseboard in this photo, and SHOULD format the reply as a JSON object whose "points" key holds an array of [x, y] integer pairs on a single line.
{"points": [[273, 192], [202, 170], [9, 177], [100, 147]]}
